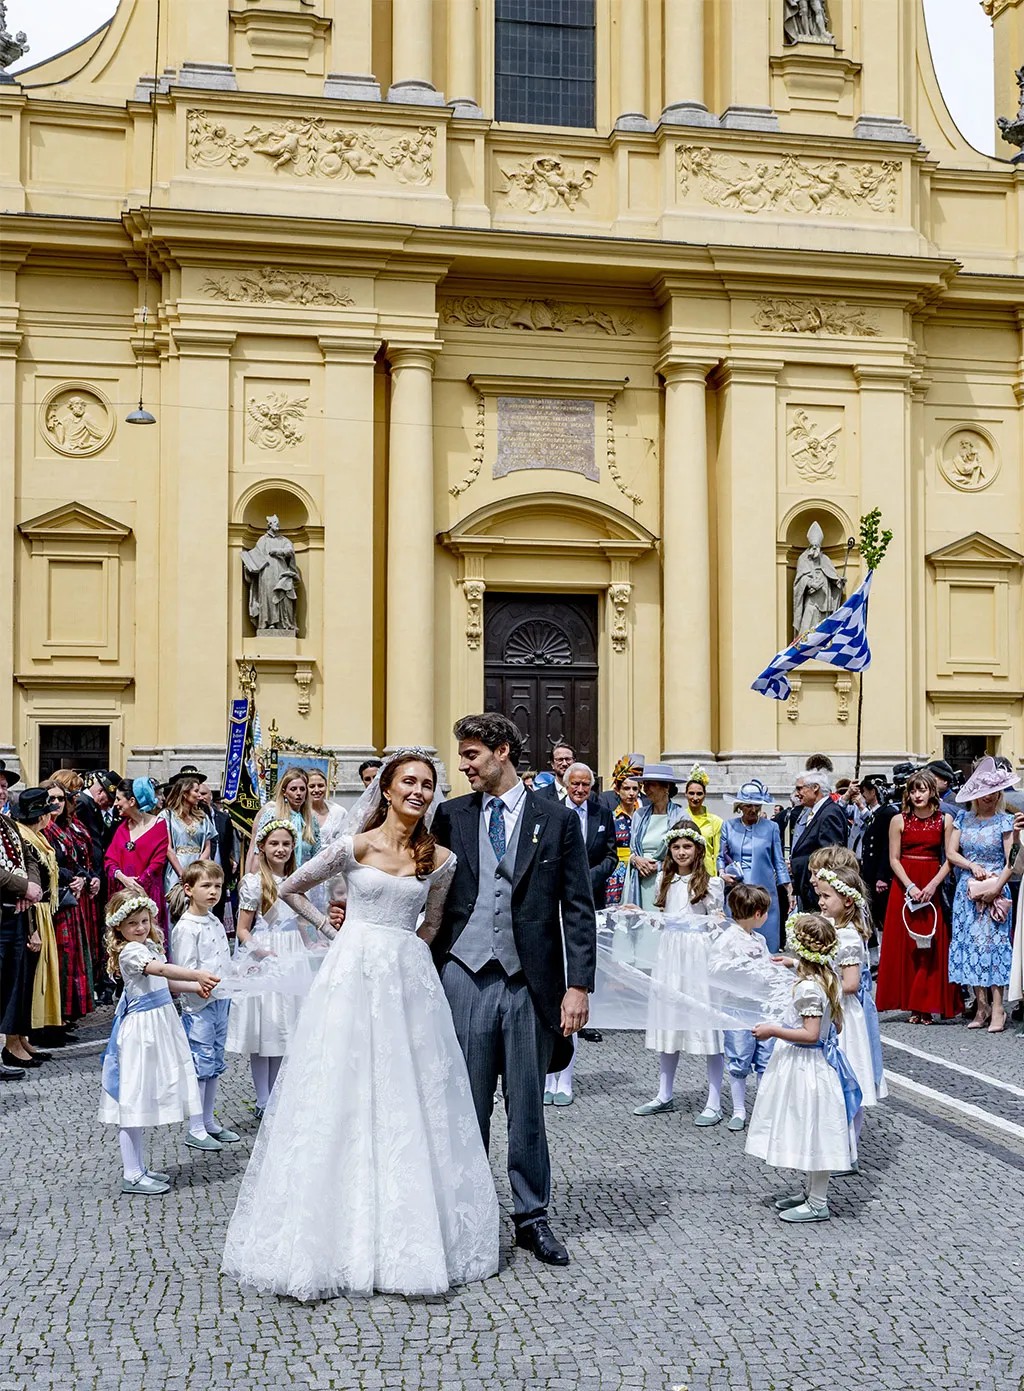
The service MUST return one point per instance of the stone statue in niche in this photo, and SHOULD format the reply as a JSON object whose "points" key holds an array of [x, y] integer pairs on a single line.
{"points": [[273, 579], [818, 588], [806, 21]]}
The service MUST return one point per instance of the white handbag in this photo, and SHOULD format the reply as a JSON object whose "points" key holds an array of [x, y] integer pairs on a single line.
{"points": [[922, 940]]}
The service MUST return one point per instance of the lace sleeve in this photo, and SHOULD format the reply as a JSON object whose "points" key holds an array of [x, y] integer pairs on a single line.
{"points": [[324, 865], [440, 883]]}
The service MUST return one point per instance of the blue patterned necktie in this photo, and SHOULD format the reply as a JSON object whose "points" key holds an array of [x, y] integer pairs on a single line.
{"points": [[496, 829]]}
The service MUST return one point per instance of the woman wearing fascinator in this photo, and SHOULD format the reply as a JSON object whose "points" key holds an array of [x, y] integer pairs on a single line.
{"points": [[368, 1172]]}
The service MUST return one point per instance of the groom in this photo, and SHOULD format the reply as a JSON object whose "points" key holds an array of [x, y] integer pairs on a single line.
{"points": [[520, 884]]}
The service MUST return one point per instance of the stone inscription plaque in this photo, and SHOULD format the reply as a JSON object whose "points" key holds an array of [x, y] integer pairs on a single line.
{"points": [[545, 432]]}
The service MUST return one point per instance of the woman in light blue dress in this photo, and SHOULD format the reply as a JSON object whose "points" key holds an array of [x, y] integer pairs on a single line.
{"points": [[190, 829], [980, 951], [750, 852], [651, 824]]}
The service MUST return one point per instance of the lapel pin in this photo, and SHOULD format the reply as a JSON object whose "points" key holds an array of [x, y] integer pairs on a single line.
{"points": [[536, 831]]}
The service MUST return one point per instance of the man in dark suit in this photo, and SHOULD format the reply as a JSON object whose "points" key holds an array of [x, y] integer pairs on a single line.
{"points": [[224, 850], [562, 755], [521, 885], [596, 824], [94, 809], [875, 868], [825, 824]]}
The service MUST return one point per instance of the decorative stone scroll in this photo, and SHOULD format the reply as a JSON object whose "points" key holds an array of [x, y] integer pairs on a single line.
{"points": [[474, 591], [76, 420], [544, 182], [310, 147], [816, 316], [546, 432], [613, 467], [542, 315], [618, 597], [270, 285], [787, 184], [479, 440]]}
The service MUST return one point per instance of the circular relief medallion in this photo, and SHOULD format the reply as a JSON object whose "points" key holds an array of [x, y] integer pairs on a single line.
{"points": [[76, 420], [967, 460]]}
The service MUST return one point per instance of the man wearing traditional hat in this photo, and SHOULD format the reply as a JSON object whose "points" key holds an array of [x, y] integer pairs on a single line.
{"points": [[945, 778], [750, 852]]}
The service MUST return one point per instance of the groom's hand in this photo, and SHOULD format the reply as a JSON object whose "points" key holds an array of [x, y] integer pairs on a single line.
{"points": [[575, 1010]]}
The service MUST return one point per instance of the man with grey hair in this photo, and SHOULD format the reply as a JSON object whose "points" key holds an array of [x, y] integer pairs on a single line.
{"points": [[824, 824], [597, 825]]}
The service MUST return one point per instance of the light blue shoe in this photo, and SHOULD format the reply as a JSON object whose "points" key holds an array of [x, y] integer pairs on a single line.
{"points": [[737, 1123], [160, 1177], [707, 1117], [655, 1107], [225, 1136], [147, 1185], [561, 1099], [792, 1200], [206, 1142], [806, 1213], [549, 1098]]}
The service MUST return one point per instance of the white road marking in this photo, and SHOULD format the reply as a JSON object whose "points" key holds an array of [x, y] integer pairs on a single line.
{"points": [[951, 1103], [953, 1067]]}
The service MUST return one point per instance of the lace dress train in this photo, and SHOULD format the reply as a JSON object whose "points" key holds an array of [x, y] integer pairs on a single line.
{"points": [[368, 1172]]}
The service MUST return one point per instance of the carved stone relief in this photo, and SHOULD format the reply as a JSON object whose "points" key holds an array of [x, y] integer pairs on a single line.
{"points": [[269, 285], [535, 185], [479, 440], [275, 420], [844, 685], [309, 147], [789, 184], [474, 591], [618, 597], [813, 447], [77, 420], [544, 315], [816, 316], [806, 21], [967, 461], [613, 466]]}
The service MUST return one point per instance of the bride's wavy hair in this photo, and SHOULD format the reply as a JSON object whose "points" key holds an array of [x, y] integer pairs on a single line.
{"points": [[422, 842]]}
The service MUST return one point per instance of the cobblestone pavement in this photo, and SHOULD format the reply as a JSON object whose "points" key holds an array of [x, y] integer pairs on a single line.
{"points": [[682, 1276]]}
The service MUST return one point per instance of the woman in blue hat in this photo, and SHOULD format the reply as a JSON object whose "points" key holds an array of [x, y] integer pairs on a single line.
{"points": [[750, 852]]}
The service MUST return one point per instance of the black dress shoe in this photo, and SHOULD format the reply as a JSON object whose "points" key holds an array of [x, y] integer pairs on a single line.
{"points": [[10, 1074], [539, 1238], [591, 1035], [12, 1060], [40, 1057]]}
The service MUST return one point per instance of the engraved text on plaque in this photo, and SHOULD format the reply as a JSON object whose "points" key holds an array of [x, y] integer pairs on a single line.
{"points": [[545, 432]]}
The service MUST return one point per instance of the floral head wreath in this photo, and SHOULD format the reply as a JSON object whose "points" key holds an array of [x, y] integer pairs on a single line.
{"points": [[131, 905], [697, 774], [820, 958], [841, 887], [685, 833], [276, 825]]}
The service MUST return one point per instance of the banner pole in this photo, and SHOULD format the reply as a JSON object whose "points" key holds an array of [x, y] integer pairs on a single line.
{"points": [[860, 724]]}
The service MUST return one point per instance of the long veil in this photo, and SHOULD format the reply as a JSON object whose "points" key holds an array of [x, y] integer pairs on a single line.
{"points": [[364, 807]]}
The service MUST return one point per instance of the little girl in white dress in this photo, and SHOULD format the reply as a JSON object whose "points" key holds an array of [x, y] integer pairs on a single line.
{"points": [[843, 900], [694, 907], [262, 1024], [148, 1074], [808, 1095]]}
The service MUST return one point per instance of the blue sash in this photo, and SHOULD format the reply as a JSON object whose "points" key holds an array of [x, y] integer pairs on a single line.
{"points": [[156, 999], [853, 1097], [867, 1001]]}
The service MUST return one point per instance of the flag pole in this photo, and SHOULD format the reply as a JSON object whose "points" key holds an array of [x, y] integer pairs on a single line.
{"points": [[860, 724]]}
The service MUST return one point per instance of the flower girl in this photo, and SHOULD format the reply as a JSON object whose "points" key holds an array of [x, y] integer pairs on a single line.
{"points": [[808, 1095], [261, 1025], [843, 900], [148, 1074], [692, 901]]}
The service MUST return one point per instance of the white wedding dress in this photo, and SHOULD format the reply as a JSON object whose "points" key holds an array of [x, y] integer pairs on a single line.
{"points": [[368, 1172]]}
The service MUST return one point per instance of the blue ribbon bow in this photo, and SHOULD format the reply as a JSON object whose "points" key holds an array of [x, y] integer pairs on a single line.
{"points": [[156, 999], [853, 1097], [867, 1000]]}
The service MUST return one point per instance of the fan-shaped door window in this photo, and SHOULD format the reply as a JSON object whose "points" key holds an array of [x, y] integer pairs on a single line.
{"points": [[540, 669]]}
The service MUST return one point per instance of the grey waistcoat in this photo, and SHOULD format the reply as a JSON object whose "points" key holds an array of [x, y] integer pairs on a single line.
{"points": [[488, 934]]}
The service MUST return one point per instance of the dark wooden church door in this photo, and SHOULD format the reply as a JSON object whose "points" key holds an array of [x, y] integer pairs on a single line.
{"points": [[540, 669]]}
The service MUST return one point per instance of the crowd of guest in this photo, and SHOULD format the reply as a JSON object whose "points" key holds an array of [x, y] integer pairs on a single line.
{"points": [[938, 863]]}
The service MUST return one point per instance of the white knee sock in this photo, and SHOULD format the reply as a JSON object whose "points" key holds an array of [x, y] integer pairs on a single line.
{"points": [[196, 1124], [817, 1187], [273, 1068], [208, 1088], [564, 1086], [716, 1075], [667, 1075], [738, 1087], [130, 1140], [260, 1069]]}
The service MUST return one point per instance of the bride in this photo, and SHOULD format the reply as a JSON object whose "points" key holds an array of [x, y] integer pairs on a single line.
{"points": [[368, 1172]]}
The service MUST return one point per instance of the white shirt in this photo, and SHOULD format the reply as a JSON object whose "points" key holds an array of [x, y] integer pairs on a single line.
{"points": [[561, 790], [200, 944], [512, 803]]}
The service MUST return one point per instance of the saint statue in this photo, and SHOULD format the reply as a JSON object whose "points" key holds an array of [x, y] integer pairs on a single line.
{"points": [[818, 588], [806, 21], [273, 579]]}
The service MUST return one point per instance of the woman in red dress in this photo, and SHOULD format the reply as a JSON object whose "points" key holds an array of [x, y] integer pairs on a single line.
{"points": [[912, 977], [70, 923], [137, 855]]}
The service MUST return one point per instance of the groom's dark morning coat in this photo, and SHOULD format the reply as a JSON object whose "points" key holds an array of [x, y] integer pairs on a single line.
{"points": [[551, 873]]}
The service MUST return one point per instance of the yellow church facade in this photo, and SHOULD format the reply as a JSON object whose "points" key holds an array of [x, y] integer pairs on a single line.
{"points": [[545, 379]]}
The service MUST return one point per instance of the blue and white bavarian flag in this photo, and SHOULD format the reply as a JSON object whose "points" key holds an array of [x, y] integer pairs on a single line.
{"points": [[840, 639]]}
